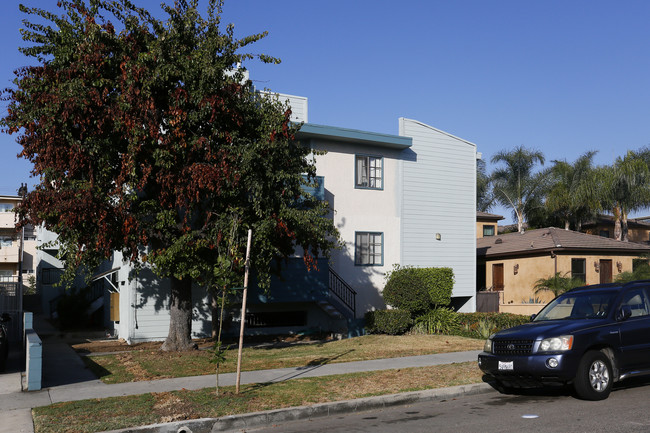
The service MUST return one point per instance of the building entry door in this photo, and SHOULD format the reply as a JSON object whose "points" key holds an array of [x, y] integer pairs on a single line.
{"points": [[497, 276], [605, 271]]}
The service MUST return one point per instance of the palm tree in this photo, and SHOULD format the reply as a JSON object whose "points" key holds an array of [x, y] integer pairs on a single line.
{"points": [[484, 195], [621, 188], [516, 185], [566, 198], [557, 284]]}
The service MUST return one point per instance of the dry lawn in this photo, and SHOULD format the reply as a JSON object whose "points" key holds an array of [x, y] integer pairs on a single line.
{"points": [[146, 362]]}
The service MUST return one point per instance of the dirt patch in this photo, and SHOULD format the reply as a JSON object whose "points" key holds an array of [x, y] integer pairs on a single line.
{"points": [[171, 408]]}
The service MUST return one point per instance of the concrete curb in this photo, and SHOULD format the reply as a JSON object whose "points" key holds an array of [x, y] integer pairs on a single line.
{"points": [[267, 418]]}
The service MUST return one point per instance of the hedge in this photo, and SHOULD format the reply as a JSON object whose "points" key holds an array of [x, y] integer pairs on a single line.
{"points": [[391, 322], [441, 320], [418, 290]]}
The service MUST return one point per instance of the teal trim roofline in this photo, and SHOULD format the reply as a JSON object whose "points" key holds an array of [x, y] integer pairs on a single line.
{"points": [[311, 130]]}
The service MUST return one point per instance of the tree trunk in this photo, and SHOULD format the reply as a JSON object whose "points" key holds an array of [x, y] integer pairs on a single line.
{"points": [[180, 316], [618, 235], [624, 236], [567, 225], [520, 221]]}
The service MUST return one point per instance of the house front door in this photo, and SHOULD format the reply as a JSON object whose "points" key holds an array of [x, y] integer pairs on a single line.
{"points": [[497, 276], [605, 271]]}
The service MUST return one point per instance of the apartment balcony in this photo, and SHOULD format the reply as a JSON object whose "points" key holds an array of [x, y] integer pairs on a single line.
{"points": [[7, 220], [10, 254]]}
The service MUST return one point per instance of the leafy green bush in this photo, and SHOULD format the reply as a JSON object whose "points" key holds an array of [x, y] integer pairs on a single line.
{"points": [[440, 320], [641, 272], [391, 322], [440, 282], [418, 289], [482, 325]]}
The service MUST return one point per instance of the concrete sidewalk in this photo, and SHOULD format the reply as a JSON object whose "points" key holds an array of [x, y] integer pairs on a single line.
{"points": [[87, 389], [65, 378]]}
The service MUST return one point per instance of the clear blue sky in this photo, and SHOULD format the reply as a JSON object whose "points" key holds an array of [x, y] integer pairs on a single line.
{"points": [[562, 77]]}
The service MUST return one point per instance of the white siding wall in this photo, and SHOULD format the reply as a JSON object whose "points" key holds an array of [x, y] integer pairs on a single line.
{"points": [[439, 196], [363, 210], [144, 306], [298, 106]]}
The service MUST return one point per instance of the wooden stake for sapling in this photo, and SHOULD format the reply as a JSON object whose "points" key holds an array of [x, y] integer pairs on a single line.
{"points": [[243, 309]]}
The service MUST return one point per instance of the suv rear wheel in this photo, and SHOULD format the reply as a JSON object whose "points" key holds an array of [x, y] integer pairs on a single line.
{"points": [[594, 378]]}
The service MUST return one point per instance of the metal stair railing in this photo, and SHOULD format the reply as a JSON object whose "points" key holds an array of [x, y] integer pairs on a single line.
{"points": [[343, 291]]}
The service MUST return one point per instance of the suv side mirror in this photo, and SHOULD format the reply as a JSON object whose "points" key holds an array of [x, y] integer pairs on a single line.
{"points": [[624, 313]]}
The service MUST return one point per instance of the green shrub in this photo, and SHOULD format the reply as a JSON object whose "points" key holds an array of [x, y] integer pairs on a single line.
{"points": [[482, 325], [418, 289], [391, 322], [440, 282], [440, 320]]}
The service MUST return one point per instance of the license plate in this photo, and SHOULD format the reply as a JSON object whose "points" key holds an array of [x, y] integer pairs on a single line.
{"points": [[506, 365]]}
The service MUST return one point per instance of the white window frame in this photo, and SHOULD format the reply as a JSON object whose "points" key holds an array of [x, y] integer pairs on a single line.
{"points": [[369, 172]]}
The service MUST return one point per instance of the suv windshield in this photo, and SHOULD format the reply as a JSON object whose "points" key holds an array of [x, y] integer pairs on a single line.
{"points": [[578, 305]]}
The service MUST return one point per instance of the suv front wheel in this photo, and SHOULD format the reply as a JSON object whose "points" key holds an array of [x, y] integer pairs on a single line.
{"points": [[594, 378]]}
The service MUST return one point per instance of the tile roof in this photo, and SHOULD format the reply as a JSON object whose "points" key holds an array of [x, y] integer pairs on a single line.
{"points": [[552, 238], [488, 216]]}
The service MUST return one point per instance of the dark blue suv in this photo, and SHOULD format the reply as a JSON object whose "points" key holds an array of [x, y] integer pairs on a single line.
{"points": [[590, 337]]}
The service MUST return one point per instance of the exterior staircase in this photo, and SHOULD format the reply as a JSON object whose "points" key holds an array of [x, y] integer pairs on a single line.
{"points": [[341, 301]]}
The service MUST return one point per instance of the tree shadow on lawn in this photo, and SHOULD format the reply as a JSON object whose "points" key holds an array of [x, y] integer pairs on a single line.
{"points": [[300, 371], [323, 361], [95, 368]]}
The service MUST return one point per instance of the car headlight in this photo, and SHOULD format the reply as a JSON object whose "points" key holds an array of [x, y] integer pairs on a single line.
{"points": [[487, 347], [556, 344]]}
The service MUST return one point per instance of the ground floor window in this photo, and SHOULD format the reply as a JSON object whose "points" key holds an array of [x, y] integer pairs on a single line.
{"points": [[369, 248], [6, 276], [578, 269]]}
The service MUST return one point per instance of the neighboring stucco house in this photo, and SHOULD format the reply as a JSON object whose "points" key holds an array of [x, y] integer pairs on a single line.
{"points": [[405, 199], [487, 224], [638, 229], [512, 263]]}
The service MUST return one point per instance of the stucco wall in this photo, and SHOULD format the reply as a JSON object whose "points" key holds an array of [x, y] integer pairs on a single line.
{"points": [[519, 286], [481, 224], [633, 234], [361, 210]]}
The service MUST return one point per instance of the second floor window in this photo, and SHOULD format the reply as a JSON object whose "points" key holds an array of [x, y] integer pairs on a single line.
{"points": [[369, 172], [488, 230]]}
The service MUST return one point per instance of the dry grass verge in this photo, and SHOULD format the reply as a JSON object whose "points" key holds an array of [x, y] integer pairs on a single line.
{"points": [[123, 412]]}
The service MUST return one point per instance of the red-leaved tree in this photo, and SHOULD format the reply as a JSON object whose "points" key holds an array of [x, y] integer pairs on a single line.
{"points": [[147, 140]]}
